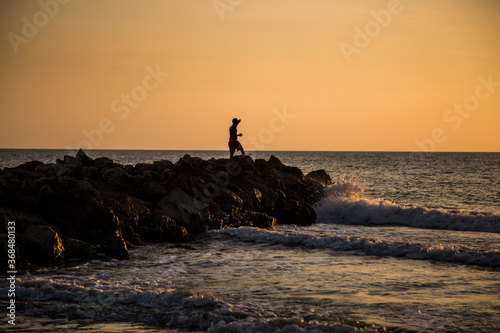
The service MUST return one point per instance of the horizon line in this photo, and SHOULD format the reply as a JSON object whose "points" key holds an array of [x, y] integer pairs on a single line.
{"points": [[284, 150]]}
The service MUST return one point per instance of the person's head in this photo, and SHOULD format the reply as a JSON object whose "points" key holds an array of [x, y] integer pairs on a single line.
{"points": [[236, 121]]}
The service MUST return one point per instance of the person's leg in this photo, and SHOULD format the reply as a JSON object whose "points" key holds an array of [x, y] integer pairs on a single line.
{"points": [[231, 150], [240, 148]]}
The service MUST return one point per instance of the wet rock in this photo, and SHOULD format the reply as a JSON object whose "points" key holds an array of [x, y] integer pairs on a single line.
{"points": [[42, 245], [261, 220], [77, 249], [171, 232], [252, 198], [23, 220], [122, 206], [186, 211], [96, 203], [116, 247], [82, 214], [320, 176], [229, 202], [294, 171]]}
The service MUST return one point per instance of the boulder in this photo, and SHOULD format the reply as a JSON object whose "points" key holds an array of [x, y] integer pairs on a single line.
{"points": [[116, 247], [99, 205], [252, 198], [42, 245], [82, 158], [81, 213], [30, 166], [77, 249], [261, 220], [155, 190], [320, 176], [185, 210], [23, 220], [275, 162], [228, 201], [171, 232], [294, 212]]}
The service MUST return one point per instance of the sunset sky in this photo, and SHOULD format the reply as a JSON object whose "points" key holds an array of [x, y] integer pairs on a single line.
{"points": [[333, 75]]}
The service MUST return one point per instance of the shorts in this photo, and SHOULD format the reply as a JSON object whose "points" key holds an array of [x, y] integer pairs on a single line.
{"points": [[234, 145]]}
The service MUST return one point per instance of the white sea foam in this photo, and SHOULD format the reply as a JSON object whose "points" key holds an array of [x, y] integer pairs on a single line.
{"points": [[63, 298], [345, 203], [397, 248]]}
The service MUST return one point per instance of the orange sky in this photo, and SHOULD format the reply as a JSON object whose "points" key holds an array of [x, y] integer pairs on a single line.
{"points": [[335, 75]]}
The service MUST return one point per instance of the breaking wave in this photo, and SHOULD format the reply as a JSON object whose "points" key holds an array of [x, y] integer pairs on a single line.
{"points": [[406, 249], [345, 203]]}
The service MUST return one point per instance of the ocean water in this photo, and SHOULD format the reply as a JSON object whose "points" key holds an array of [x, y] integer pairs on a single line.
{"points": [[405, 242]]}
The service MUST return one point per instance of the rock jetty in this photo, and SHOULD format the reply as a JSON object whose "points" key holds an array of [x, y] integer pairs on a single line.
{"points": [[83, 208]]}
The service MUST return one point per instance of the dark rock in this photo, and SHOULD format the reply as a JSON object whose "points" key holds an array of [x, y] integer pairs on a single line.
{"points": [[229, 202], [127, 214], [70, 160], [290, 181], [80, 212], [116, 247], [42, 245], [45, 190], [321, 176], [184, 210], [88, 172], [294, 171], [45, 170], [30, 166], [238, 163], [103, 161], [155, 190], [275, 162], [20, 173], [150, 234], [82, 158], [77, 249], [162, 165], [115, 176], [261, 220], [99, 204], [23, 220], [252, 198], [171, 232]]}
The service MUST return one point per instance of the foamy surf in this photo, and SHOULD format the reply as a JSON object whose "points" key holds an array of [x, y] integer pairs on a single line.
{"points": [[416, 248], [345, 203]]}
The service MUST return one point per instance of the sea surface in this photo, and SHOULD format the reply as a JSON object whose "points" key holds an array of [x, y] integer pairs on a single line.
{"points": [[405, 242]]}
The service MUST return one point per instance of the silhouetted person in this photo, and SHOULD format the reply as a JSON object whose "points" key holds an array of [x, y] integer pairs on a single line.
{"points": [[234, 144]]}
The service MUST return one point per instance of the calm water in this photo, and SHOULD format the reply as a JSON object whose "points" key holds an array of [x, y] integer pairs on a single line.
{"points": [[405, 242]]}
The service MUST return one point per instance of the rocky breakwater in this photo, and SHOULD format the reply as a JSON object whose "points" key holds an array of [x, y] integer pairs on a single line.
{"points": [[81, 208]]}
